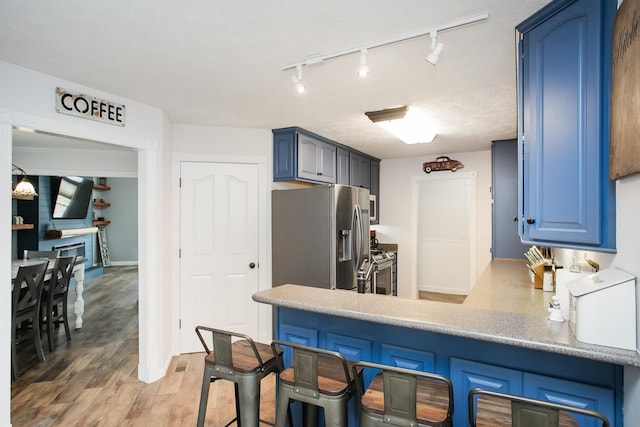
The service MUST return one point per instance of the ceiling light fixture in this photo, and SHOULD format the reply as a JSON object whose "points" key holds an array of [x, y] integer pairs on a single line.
{"points": [[436, 49], [406, 124], [363, 69], [315, 59], [23, 187]]}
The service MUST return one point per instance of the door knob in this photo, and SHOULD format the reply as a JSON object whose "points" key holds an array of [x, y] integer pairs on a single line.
{"points": [[252, 265]]}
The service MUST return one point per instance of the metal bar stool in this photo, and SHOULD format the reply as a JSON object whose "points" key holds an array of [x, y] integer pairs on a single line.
{"points": [[243, 362], [404, 397], [493, 409], [317, 378]]}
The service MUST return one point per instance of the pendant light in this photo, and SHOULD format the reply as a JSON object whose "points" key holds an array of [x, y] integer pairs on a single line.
{"points": [[23, 187]]}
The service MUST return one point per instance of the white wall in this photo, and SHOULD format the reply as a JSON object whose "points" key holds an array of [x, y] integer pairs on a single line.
{"points": [[28, 100], [396, 209], [122, 233]]}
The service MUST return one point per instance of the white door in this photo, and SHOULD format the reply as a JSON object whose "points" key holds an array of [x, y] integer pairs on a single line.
{"points": [[219, 249], [446, 232]]}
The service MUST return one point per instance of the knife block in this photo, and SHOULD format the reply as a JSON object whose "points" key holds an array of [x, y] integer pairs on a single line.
{"points": [[538, 270]]}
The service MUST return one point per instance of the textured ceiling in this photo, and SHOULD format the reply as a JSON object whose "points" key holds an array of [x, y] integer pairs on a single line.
{"points": [[219, 62]]}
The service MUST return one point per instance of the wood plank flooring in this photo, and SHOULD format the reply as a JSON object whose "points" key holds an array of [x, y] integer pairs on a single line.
{"points": [[92, 379], [436, 296]]}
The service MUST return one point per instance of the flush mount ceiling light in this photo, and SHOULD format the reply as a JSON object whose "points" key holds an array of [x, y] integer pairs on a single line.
{"points": [[297, 81], [363, 69], [407, 124], [436, 47], [23, 187]]}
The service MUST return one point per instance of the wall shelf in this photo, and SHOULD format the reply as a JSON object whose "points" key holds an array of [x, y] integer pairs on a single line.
{"points": [[101, 187], [101, 223], [21, 226], [102, 204]]}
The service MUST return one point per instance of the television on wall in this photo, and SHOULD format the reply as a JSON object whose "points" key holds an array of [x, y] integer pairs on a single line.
{"points": [[70, 197]]}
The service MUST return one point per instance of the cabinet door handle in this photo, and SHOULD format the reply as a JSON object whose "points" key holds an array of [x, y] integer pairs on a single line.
{"points": [[531, 221], [515, 218], [252, 265]]}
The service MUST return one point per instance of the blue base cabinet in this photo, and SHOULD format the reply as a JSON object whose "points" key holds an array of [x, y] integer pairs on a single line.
{"points": [[467, 362], [564, 88]]}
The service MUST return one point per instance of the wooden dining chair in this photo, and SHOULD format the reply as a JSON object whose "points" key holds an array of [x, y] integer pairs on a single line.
{"points": [[26, 298], [54, 293]]}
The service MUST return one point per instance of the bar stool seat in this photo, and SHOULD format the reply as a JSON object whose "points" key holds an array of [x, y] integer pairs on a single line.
{"points": [[493, 409], [317, 378], [243, 362], [398, 396]]}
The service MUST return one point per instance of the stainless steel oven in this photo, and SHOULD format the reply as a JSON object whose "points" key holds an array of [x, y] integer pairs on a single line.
{"points": [[383, 279]]}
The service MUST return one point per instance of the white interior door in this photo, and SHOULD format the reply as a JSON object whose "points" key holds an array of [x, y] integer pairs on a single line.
{"points": [[445, 232], [219, 249]]}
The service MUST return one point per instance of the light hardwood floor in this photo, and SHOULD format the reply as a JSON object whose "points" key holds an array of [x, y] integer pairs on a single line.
{"points": [[92, 380], [435, 296]]}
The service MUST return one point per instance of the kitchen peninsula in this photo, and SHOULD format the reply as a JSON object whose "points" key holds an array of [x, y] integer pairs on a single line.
{"points": [[500, 338]]}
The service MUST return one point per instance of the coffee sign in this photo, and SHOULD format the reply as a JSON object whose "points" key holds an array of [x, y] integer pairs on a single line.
{"points": [[89, 107]]}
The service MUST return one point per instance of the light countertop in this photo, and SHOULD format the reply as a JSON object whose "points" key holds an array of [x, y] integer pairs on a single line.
{"points": [[502, 308]]}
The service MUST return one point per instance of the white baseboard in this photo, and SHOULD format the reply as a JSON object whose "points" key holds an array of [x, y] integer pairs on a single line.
{"points": [[121, 263]]}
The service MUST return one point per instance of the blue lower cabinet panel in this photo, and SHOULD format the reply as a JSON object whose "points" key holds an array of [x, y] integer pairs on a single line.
{"points": [[407, 358], [296, 335], [574, 394], [467, 375]]}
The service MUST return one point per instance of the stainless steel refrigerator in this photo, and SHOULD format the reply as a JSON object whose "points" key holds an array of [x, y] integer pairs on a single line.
{"points": [[320, 235]]}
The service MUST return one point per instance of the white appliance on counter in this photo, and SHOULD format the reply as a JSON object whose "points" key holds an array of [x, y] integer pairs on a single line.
{"points": [[603, 309]]}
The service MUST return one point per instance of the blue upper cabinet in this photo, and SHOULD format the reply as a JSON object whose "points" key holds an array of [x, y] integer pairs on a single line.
{"points": [[299, 155], [564, 82]]}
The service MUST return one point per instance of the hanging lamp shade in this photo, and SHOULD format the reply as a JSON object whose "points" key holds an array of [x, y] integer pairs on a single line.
{"points": [[23, 187]]}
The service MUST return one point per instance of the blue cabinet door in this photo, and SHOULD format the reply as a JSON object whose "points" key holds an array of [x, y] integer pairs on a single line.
{"points": [[342, 166], [467, 375], [564, 110], [359, 170], [571, 393]]}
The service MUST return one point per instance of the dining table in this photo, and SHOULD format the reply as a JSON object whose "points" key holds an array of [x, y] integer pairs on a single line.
{"points": [[78, 275]]}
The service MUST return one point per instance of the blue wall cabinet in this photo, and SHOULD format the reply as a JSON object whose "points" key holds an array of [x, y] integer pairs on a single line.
{"points": [[359, 170], [564, 73], [299, 155], [342, 166]]}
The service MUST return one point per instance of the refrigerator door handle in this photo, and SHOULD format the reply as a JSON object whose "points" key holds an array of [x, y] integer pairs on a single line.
{"points": [[358, 238]]}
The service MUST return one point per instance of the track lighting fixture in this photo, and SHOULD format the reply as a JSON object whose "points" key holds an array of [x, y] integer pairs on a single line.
{"points": [[363, 69], [23, 187], [407, 124], [297, 81], [436, 49]]}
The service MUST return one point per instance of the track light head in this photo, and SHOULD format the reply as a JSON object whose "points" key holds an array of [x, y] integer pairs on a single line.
{"points": [[297, 80], [363, 69], [436, 49], [435, 54]]}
